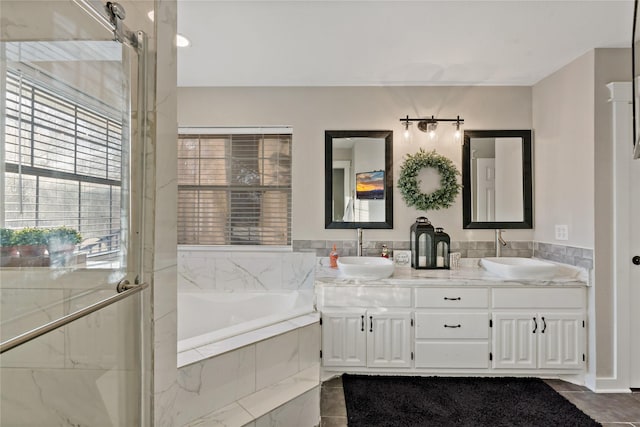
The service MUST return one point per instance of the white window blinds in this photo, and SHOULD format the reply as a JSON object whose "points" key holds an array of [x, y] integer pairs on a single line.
{"points": [[62, 163], [234, 188]]}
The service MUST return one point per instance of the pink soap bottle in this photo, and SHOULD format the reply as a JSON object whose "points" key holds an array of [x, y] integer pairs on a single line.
{"points": [[333, 258]]}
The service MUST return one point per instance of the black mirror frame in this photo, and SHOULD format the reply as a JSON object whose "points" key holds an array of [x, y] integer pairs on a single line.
{"points": [[328, 178], [527, 182]]}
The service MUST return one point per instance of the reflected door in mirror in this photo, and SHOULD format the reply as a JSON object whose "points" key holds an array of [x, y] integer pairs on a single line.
{"points": [[497, 189], [358, 183], [497, 169]]}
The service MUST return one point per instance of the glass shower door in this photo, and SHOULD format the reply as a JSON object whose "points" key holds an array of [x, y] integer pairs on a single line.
{"points": [[70, 230]]}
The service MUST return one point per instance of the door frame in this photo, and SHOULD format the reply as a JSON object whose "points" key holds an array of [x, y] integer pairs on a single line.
{"points": [[624, 340]]}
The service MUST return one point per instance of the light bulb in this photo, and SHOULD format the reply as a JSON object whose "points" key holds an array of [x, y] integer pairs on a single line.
{"points": [[432, 131], [406, 134], [456, 135]]}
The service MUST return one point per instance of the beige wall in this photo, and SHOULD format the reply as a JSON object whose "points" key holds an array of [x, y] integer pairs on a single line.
{"points": [[563, 153], [312, 110], [572, 120]]}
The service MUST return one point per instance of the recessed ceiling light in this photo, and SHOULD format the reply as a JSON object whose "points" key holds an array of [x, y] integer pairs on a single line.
{"points": [[150, 15], [182, 41]]}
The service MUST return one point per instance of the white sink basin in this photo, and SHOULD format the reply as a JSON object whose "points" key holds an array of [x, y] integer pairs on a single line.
{"points": [[519, 268], [365, 267]]}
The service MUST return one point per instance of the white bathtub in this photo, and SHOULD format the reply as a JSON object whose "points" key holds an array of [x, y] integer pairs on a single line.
{"points": [[209, 317]]}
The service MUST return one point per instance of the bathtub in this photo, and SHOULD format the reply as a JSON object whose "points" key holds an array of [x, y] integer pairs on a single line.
{"points": [[210, 317]]}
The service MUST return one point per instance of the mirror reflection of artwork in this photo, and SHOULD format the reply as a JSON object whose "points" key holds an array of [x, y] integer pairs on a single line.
{"points": [[370, 185], [358, 177]]}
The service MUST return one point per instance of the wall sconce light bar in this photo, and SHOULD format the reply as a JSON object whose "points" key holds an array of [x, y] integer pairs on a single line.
{"points": [[424, 122]]}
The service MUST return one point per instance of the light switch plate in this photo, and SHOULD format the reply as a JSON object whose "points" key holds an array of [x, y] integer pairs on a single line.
{"points": [[562, 232]]}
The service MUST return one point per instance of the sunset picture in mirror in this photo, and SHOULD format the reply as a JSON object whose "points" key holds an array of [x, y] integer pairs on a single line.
{"points": [[370, 185]]}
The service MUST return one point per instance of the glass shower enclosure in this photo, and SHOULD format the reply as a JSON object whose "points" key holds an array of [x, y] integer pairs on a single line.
{"points": [[74, 349]]}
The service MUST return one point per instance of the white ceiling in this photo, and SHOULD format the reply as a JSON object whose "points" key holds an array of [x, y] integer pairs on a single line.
{"points": [[367, 42]]}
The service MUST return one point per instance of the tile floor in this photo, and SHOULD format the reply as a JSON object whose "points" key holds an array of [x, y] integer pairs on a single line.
{"points": [[611, 410]]}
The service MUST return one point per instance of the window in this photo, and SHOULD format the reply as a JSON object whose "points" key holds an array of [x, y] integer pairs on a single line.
{"points": [[234, 187], [62, 163]]}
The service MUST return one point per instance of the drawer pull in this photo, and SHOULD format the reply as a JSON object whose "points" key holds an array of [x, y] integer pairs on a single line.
{"points": [[362, 323], [544, 325], [452, 299], [452, 326], [535, 325], [371, 324]]}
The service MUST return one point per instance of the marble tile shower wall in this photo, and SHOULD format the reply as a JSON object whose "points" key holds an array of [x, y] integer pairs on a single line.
{"points": [[578, 257], [245, 271]]}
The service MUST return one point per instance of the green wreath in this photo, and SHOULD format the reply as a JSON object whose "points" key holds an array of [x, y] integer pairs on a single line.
{"points": [[409, 184]]}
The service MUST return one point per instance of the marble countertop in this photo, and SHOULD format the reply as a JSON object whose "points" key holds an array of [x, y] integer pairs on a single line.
{"points": [[469, 273]]}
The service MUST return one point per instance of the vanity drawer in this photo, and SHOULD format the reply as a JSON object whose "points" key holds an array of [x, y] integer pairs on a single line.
{"points": [[539, 298], [452, 325], [452, 354], [452, 298]]}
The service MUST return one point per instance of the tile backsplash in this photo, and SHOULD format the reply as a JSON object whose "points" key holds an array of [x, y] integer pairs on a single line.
{"points": [[578, 257], [373, 248]]}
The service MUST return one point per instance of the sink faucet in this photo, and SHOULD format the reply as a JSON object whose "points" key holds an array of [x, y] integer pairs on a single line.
{"points": [[499, 242], [359, 242]]}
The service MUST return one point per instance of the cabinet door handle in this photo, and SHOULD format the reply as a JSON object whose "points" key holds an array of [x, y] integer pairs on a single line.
{"points": [[362, 323], [370, 323], [544, 325], [452, 299], [452, 326], [535, 325]]}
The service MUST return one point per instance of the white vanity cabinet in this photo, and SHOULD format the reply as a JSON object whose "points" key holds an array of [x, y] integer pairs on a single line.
{"points": [[538, 328], [452, 328], [366, 338], [486, 328], [344, 338], [389, 339]]}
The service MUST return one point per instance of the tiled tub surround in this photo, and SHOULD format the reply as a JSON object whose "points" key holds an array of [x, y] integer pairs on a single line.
{"points": [[274, 379], [578, 257], [259, 364]]}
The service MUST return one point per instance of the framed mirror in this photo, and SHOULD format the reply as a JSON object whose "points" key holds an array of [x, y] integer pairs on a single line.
{"points": [[497, 179], [358, 178]]}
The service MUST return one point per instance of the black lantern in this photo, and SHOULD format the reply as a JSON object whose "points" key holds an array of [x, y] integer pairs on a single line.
{"points": [[442, 245], [429, 246]]}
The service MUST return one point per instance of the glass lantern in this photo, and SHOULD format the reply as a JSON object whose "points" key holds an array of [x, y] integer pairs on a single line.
{"points": [[422, 243], [442, 244]]}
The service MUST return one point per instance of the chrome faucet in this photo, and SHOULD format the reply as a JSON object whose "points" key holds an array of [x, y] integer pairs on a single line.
{"points": [[500, 242], [359, 242]]}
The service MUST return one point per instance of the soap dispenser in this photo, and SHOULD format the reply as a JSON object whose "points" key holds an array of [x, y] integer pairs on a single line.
{"points": [[333, 257]]}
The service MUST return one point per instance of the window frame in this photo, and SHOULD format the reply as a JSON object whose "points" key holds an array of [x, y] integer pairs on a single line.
{"points": [[229, 244]]}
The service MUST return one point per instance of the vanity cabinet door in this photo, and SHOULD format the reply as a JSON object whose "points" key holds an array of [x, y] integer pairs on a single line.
{"points": [[344, 338], [542, 340], [514, 340], [561, 340], [388, 341]]}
